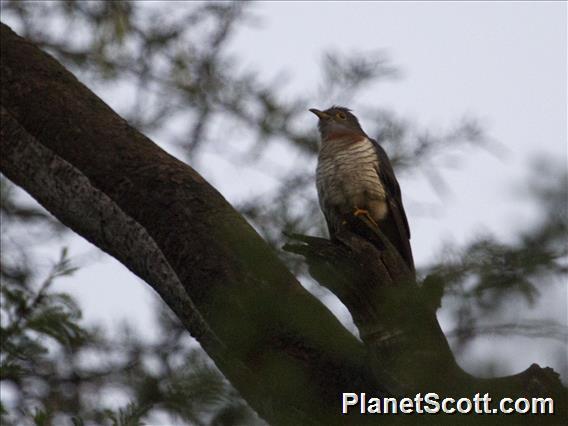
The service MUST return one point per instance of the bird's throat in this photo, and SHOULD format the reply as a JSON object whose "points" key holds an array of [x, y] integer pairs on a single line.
{"points": [[342, 136]]}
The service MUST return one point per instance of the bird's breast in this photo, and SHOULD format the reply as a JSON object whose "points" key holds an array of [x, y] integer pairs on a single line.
{"points": [[347, 173]]}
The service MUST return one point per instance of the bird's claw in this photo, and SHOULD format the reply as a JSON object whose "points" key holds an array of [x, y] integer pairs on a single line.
{"points": [[362, 212]]}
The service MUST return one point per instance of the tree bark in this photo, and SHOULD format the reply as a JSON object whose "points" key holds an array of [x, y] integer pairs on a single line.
{"points": [[397, 320], [287, 355]]}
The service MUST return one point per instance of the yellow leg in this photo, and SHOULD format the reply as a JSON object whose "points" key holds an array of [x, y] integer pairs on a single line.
{"points": [[362, 212]]}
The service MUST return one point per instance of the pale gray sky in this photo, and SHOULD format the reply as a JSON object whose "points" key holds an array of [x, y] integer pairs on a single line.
{"points": [[502, 62]]}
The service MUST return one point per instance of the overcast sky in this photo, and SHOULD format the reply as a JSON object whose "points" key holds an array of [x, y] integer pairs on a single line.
{"points": [[504, 63]]}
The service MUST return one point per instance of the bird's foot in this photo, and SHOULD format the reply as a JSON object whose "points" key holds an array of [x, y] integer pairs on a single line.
{"points": [[362, 212]]}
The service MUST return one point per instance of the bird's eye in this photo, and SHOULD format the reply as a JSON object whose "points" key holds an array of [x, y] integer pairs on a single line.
{"points": [[341, 116]]}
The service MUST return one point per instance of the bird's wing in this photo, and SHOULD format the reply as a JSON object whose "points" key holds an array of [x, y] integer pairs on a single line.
{"points": [[386, 174]]}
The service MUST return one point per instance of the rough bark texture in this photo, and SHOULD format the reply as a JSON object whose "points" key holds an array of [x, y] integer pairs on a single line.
{"points": [[397, 319], [69, 195], [282, 349], [289, 357]]}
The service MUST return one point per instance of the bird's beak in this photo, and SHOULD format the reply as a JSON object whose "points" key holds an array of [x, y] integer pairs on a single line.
{"points": [[321, 115]]}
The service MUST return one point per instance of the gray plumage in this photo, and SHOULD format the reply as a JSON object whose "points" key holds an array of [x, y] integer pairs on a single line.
{"points": [[354, 173]]}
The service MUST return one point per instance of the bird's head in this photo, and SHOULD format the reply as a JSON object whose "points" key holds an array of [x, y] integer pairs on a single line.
{"points": [[337, 122]]}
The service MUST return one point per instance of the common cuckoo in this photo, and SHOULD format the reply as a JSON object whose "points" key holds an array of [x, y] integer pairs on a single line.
{"points": [[354, 176]]}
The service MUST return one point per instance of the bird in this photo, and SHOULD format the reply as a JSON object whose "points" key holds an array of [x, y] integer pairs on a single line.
{"points": [[354, 176]]}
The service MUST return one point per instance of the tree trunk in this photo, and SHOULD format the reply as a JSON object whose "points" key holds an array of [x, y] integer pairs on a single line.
{"points": [[287, 355]]}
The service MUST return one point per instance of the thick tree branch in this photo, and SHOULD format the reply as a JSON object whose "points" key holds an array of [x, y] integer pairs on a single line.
{"points": [[396, 324], [280, 347], [397, 320], [69, 195]]}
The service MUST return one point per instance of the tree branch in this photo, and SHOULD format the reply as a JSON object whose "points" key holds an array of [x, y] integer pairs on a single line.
{"points": [[69, 195], [287, 355], [397, 320]]}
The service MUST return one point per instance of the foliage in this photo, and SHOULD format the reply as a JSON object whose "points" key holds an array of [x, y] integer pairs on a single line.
{"points": [[486, 275], [56, 370]]}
